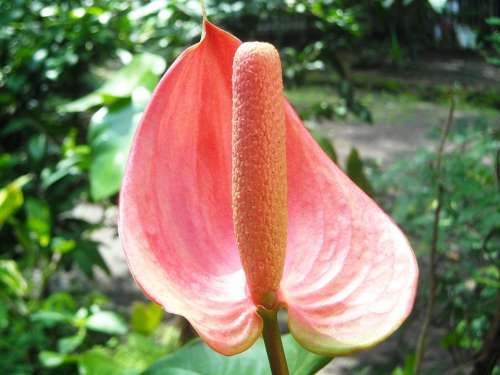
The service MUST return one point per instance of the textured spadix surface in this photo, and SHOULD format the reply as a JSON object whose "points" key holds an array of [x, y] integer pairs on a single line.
{"points": [[350, 276], [259, 169]]}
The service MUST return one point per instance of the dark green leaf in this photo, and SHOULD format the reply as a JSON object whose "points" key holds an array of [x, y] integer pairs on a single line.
{"points": [[355, 170], [324, 143], [37, 146], [87, 255], [4, 316]]}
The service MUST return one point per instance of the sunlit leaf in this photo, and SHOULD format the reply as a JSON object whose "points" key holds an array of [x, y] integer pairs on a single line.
{"points": [[62, 245], [355, 170], [142, 71], [110, 136], [11, 198], [107, 322], [52, 359], [12, 279], [437, 5], [146, 317]]}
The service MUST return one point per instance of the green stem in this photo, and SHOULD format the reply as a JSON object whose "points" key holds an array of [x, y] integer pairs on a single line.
{"points": [[272, 339]]}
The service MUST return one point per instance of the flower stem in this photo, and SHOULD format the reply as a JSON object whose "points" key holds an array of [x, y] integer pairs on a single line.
{"points": [[272, 340]]}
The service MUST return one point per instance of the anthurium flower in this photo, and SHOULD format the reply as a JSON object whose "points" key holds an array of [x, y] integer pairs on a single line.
{"points": [[228, 205]]}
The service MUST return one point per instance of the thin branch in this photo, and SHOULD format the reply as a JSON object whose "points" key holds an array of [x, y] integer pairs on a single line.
{"points": [[203, 9], [433, 282]]}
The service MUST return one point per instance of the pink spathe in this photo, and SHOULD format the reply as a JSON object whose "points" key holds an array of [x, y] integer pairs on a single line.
{"points": [[349, 277]]}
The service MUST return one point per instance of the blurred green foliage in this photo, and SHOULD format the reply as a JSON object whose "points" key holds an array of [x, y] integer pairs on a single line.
{"points": [[469, 229], [493, 40]]}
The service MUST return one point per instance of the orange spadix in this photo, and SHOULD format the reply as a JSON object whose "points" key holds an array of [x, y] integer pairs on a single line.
{"points": [[259, 173]]}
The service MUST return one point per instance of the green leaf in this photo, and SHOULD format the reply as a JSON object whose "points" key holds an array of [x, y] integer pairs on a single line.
{"points": [[50, 318], [37, 147], [355, 170], [107, 322], [38, 222], [69, 344], [407, 369], [99, 361], [72, 165], [387, 3], [11, 278], [83, 104], [251, 362], [62, 245], [110, 136], [139, 351], [437, 5], [142, 72], [4, 316], [87, 255], [52, 359], [488, 276], [122, 358], [493, 21], [11, 197], [146, 10], [146, 317], [62, 302], [493, 60]]}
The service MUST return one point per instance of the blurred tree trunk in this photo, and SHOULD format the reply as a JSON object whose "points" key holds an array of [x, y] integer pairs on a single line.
{"points": [[488, 356]]}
